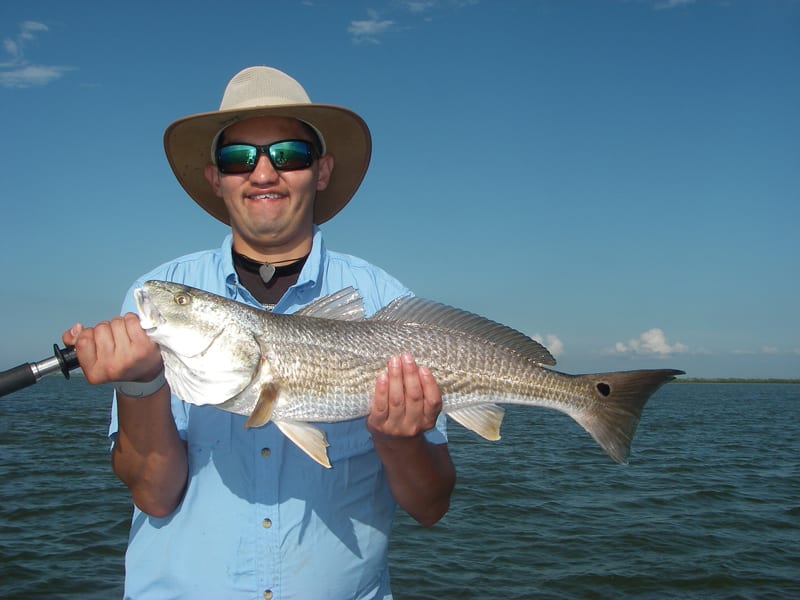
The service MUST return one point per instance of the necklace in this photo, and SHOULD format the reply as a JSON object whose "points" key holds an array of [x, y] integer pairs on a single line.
{"points": [[268, 270]]}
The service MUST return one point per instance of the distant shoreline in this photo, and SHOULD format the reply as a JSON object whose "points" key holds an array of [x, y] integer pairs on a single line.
{"points": [[731, 380]]}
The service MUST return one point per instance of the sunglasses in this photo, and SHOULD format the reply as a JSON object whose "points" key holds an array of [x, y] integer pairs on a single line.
{"points": [[286, 155]]}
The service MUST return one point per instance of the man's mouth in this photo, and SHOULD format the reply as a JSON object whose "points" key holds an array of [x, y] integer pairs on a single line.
{"points": [[270, 196]]}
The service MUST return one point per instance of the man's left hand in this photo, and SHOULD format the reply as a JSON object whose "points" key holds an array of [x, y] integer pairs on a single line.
{"points": [[406, 400]]}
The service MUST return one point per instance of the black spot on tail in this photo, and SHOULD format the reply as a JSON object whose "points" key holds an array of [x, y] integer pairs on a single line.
{"points": [[613, 418]]}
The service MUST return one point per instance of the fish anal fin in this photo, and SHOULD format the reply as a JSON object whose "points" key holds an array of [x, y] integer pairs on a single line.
{"points": [[483, 419], [308, 438], [263, 411]]}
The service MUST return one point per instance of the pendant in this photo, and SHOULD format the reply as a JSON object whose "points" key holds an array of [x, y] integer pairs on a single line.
{"points": [[266, 272]]}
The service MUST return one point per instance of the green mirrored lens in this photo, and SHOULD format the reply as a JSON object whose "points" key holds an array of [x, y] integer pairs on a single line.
{"points": [[291, 155], [237, 158]]}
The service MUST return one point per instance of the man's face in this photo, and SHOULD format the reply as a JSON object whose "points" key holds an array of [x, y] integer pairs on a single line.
{"points": [[270, 211]]}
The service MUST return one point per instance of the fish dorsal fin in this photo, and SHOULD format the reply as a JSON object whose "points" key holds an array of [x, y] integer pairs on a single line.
{"points": [[308, 438], [483, 419], [410, 309], [344, 305]]}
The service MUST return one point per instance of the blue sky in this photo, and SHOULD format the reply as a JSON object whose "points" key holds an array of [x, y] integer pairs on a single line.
{"points": [[618, 178]]}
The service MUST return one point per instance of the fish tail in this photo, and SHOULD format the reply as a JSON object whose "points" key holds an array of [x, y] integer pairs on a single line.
{"points": [[620, 399]]}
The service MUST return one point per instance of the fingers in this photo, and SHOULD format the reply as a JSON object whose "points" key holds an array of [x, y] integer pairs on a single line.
{"points": [[406, 400], [432, 394], [69, 337], [115, 350], [380, 397]]}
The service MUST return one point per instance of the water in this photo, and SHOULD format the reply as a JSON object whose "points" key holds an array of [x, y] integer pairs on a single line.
{"points": [[708, 508]]}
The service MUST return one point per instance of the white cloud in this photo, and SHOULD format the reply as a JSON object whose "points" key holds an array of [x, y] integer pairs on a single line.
{"points": [[667, 4], [369, 30], [28, 28], [652, 342], [551, 342], [30, 75], [18, 72], [767, 351], [420, 6], [12, 49]]}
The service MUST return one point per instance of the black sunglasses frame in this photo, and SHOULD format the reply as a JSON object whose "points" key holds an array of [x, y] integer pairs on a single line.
{"points": [[310, 152]]}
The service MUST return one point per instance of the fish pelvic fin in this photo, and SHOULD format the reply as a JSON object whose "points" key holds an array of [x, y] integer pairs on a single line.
{"points": [[263, 411], [308, 438], [621, 396], [483, 419]]}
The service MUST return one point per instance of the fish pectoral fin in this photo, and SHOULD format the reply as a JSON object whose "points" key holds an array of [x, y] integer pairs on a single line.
{"points": [[483, 419], [263, 411], [308, 438]]}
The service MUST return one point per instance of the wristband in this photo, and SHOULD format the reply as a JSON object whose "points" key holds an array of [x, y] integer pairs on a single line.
{"points": [[140, 389]]}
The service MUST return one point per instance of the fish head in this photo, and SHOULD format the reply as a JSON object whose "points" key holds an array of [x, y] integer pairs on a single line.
{"points": [[184, 319], [209, 354]]}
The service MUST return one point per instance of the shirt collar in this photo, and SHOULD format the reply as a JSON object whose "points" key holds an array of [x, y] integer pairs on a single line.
{"points": [[309, 277], [312, 270]]}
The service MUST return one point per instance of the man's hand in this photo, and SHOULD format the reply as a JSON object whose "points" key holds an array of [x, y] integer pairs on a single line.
{"points": [[406, 401], [115, 350]]}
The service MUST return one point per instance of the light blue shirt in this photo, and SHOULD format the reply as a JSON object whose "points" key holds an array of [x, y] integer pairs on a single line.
{"points": [[259, 517]]}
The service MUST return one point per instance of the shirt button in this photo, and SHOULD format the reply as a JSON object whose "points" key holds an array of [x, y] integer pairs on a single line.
{"points": [[267, 594], [265, 452], [266, 523]]}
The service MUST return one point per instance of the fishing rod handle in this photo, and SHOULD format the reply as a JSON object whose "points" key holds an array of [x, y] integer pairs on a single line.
{"points": [[63, 359], [16, 379], [67, 359]]}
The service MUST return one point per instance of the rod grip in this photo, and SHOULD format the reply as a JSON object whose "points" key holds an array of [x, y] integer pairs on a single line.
{"points": [[67, 359], [16, 379]]}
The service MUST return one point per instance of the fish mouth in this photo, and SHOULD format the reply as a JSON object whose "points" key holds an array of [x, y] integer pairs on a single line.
{"points": [[149, 317]]}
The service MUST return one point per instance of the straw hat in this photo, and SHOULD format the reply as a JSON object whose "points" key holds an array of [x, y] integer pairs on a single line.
{"points": [[264, 91]]}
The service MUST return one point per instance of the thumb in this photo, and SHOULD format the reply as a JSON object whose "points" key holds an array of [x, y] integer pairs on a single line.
{"points": [[70, 336]]}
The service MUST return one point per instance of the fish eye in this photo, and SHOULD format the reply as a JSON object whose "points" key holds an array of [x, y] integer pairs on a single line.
{"points": [[181, 299]]}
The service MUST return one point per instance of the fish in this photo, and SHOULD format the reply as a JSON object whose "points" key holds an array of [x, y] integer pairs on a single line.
{"points": [[319, 364]]}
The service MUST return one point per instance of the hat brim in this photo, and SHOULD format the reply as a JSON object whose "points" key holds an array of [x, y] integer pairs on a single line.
{"points": [[187, 143]]}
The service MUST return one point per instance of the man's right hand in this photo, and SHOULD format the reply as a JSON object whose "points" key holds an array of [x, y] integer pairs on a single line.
{"points": [[115, 350]]}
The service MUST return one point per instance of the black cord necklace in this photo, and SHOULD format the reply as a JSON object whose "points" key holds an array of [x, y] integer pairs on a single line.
{"points": [[269, 270]]}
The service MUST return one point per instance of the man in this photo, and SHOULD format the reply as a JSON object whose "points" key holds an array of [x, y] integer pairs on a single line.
{"points": [[222, 511]]}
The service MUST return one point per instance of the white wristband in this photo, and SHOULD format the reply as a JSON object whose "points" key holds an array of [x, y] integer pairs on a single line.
{"points": [[140, 389]]}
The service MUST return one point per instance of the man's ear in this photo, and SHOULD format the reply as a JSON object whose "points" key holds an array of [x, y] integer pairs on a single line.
{"points": [[212, 176], [324, 171]]}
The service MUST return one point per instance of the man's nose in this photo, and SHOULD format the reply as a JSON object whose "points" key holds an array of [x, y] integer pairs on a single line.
{"points": [[263, 172]]}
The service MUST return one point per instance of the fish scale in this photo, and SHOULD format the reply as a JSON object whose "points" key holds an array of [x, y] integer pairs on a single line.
{"points": [[320, 364]]}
